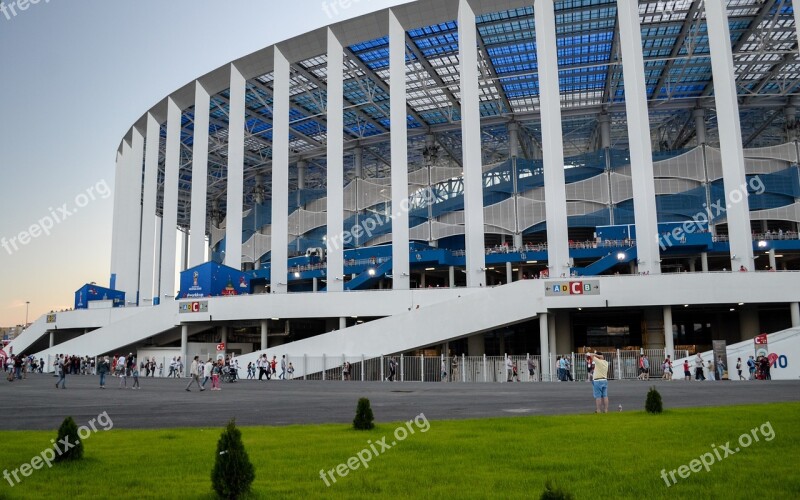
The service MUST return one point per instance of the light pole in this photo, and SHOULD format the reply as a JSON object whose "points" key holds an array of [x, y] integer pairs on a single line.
{"points": [[27, 303]]}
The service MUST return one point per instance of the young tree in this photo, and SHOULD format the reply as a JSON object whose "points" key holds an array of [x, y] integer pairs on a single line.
{"points": [[364, 418], [68, 433], [233, 473]]}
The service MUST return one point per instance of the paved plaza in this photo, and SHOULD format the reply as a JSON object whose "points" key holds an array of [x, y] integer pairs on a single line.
{"points": [[35, 403]]}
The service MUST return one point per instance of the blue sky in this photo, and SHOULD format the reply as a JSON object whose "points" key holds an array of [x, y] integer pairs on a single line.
{"points": [[75, 75]]}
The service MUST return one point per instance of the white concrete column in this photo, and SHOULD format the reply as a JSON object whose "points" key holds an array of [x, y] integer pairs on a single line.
{"points": [[451, 276], [169, 223], [700, 125], [131, 235], [399, 146], [197, 231], [116, 227], [335, 177], [730, 135], [644, 195], [669, 342], [264, 332], [704, 262], [773, 263], [185, 346], [315, 285], [544, 347], [471, 149], [52, 339], [509, 273], [223, 334], [279, 257], [147, 267], [552, 142], [692, 265], [235, 201], [794, 308], [342, 323]]}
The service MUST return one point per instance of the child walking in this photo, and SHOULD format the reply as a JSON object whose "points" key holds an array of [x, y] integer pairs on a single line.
{"points": [[135, 378]]}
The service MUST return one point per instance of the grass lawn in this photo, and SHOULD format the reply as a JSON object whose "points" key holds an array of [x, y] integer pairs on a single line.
{"points": [[619, 455]]}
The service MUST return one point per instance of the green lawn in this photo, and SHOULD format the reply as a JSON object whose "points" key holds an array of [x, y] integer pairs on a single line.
{"points": [[619, 455]]}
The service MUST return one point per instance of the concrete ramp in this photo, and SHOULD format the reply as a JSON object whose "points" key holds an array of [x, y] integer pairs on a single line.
{"points": [[468, 314], [119, 334]]}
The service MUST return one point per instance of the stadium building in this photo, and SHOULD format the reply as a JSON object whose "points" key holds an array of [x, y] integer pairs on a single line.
{"points": [[464, 177]]}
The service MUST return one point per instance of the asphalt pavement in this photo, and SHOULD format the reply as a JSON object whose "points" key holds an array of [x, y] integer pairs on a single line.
{"points": [[35, 403]]}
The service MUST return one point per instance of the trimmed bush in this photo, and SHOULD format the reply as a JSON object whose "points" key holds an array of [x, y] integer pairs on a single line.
{"points": [[653, 403], [233, 474], [68, 433], [552, 493], [364, 418]]}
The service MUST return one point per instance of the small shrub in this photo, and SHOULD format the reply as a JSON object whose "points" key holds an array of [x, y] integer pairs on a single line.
{"points": [[552, 493], [68, 433], [364, 418], [653, 403], [233, 474]]}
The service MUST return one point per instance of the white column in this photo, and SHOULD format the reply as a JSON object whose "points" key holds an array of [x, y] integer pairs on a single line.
{"points": [[264, 331], [169, 223], [794, 308], [544, 347], [644, 194], [52, 339], [223, 334], [471, 149], [185, 346], [233, 228], [451, 277], [669, 342], [552, 142], [401, 269], [509, 273], [116, 227], [730, 135], [342, 323], [280, 175], [197, 234], [335, 179], [148, 248], [704, 262], [796, 8], [130, 238]]}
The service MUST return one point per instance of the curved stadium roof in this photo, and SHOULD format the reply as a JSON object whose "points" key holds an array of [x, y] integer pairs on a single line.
{"points": [[677, 67]]}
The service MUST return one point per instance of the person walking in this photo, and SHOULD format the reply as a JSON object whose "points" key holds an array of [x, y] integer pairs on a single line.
{"points": [[687, 374], [283, 368], [61, 370], [751, 367], [103, 368], [531, 369], [392, 369], [194, 374], [443, 370], [216, 370], [739, 368], [698, 367], [600, 382], [454, 369], [261, 364], [509, 369], [207, 367], [710, 369], [135, 375], [514, 372]]}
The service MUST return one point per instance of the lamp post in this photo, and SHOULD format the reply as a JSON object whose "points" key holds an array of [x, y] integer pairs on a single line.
{"points": [[27, 303]]}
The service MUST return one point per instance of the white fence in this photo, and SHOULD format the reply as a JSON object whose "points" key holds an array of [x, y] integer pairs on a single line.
{"points": [[622, 365]]}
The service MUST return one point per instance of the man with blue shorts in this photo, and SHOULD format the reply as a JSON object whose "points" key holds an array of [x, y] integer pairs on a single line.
{"points": [[599, 381]]}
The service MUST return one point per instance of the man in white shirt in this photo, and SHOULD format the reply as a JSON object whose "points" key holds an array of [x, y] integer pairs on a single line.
{"points": [[194, 373]]}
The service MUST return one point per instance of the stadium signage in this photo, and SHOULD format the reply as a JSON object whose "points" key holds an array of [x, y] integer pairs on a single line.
{"points": [[565, 288], [193, 307]]}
